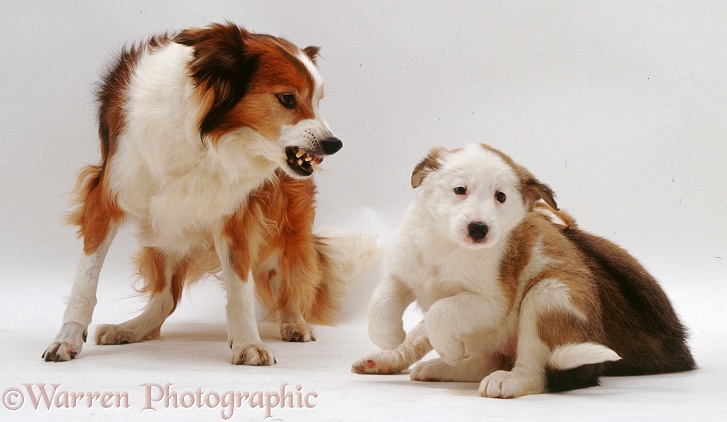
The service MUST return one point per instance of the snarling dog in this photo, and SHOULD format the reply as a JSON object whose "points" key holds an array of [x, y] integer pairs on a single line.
{"points": [[514, 295], [208, 141]]}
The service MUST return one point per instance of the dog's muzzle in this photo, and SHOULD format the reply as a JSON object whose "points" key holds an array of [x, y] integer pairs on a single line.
{"points": [[304, 162]]}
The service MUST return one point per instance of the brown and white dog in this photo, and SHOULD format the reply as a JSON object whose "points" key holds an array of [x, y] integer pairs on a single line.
{"points": [[208, 141], [511, 299]]}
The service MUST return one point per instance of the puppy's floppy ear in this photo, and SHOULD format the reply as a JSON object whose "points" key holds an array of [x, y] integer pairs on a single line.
{"points": [[312, 53], [535, 190], [429, 164], [221, 66]]}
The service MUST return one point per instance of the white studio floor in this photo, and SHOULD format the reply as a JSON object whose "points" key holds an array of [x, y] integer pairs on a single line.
{"points": [[192, 358]]}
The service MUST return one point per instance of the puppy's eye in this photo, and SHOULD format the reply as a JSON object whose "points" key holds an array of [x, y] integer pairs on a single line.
{"points": [[460, 190], [500, 196], [287, 100]]}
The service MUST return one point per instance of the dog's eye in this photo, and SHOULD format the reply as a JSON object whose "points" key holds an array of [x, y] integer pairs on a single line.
{"points": [[287, 100], [500, 196], [460, 190]]}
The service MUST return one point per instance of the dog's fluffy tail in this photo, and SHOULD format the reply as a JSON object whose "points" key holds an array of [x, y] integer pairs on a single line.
{"points": [[342, 257], [572, 366]]}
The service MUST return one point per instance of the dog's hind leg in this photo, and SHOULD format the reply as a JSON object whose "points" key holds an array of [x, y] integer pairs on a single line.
{"points": [[79, 311], [165, 276], [98, 219], [393, 361], [286, 294], [295, 289]]}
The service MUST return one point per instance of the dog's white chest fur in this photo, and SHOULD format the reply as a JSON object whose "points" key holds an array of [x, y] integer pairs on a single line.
{"points": [[163, 175]]}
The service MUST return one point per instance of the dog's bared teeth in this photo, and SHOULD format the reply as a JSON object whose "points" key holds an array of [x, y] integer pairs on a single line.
{"points": [[300, 162], [308, 158], [300, 153]]}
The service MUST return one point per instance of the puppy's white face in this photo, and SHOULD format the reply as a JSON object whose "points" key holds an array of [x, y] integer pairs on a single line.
{"points": [[474, 196]]}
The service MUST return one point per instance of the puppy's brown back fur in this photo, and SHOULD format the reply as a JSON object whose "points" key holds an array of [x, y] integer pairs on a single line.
{"points": [[638, 319]]}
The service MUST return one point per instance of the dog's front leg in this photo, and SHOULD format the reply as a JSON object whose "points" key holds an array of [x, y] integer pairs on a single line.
{"points": [[389, 301], [244, 339], [451, 320]]}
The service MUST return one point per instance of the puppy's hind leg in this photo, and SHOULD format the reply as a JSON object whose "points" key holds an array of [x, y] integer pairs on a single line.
{"points": [[553, 336], [471, 369], [165, 277]]}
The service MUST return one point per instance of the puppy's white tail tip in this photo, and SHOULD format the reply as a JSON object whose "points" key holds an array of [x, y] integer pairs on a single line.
{"points": [[570, 356]]}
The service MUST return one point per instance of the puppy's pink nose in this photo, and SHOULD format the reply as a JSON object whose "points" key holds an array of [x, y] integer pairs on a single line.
{"points": [[477, 231]]}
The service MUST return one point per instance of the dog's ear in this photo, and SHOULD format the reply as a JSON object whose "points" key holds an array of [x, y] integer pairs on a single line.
{"points": [[535, 190], [221, 67], [429, 164], [312, 53]]}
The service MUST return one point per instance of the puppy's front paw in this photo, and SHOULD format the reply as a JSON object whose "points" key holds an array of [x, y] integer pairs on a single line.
{"points": [[256, 354], [509, 384], [384, 363], [297, 332], [67, 344]]}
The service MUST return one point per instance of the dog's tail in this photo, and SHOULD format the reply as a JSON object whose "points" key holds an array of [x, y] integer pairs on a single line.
{"points": [[342, 258], [572, 366]]}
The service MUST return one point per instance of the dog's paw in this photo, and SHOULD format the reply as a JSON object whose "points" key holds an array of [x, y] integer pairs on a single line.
{"points": [[378, 363], [509, 384], [255, 354], [67, 344], [297, 332], [61, 351], [115, 334]]}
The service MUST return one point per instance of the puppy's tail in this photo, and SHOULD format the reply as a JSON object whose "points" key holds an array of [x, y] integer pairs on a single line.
{"points": [[342, 257], [572, 366]]}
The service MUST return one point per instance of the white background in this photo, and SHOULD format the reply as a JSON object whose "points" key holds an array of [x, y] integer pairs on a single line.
{"points": [[620, 106]]}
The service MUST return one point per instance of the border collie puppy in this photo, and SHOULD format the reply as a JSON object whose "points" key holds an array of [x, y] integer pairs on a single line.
{"points": [[514, 295], [208, 141]]}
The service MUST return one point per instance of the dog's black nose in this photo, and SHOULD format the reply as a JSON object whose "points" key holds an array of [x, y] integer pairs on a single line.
{"points": [[477, 231], [331, 145]]}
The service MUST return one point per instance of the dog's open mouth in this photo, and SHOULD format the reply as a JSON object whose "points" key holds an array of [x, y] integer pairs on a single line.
{"points": [[301, 161]]}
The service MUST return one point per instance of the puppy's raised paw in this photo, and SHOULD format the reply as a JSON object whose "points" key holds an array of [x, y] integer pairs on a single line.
{"points": [[253, 354]]}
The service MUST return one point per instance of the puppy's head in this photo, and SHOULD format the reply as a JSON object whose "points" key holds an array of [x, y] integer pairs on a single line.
{"points": [[476, 194], [259, 97]]}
